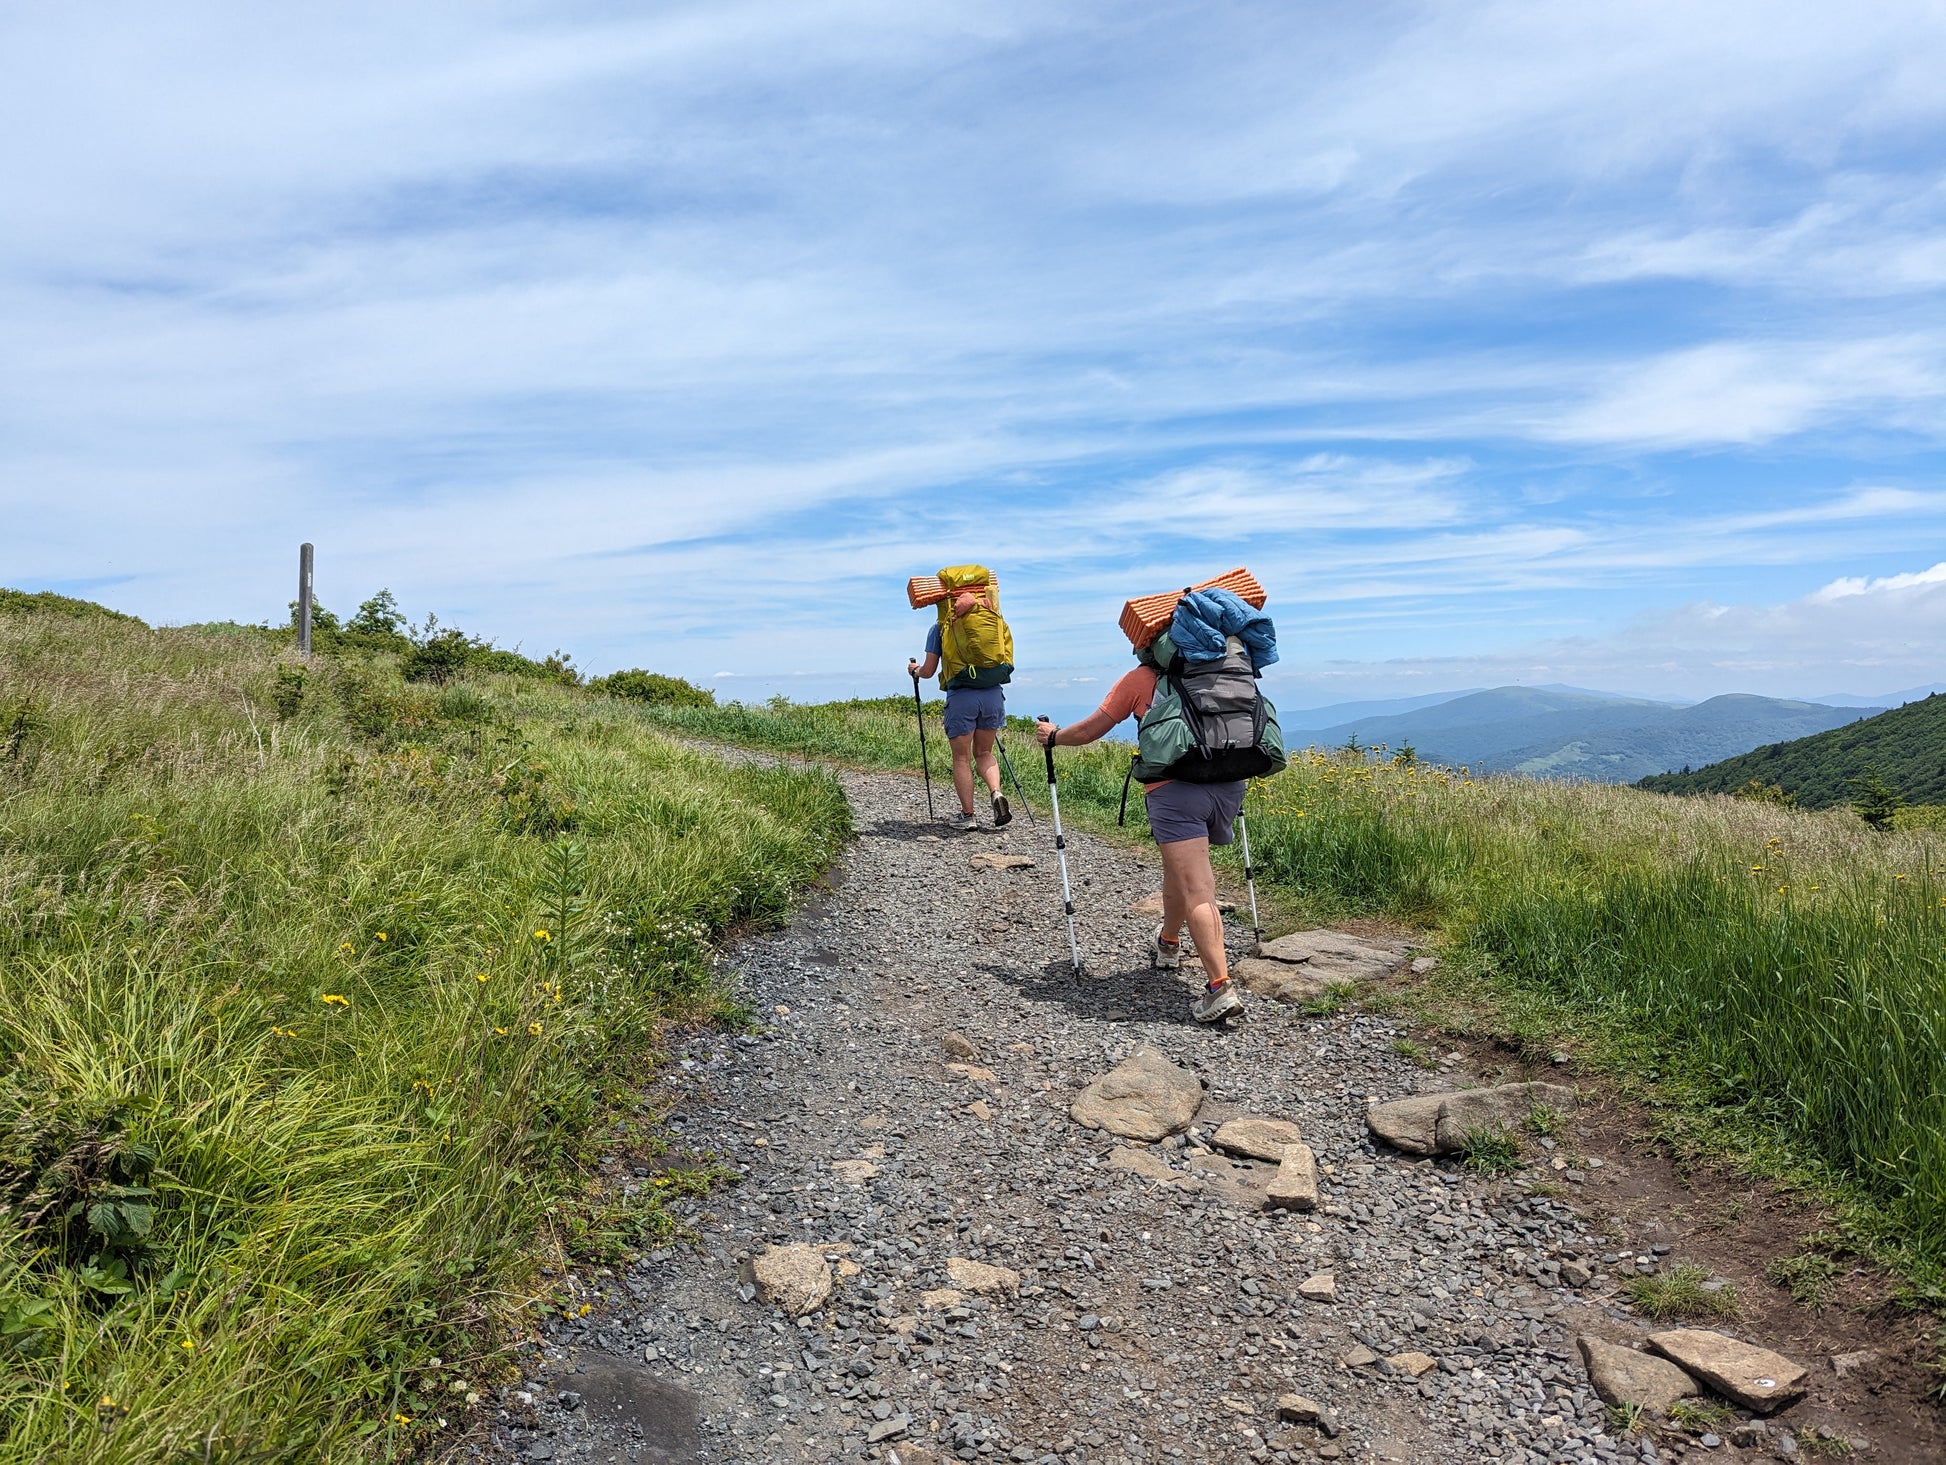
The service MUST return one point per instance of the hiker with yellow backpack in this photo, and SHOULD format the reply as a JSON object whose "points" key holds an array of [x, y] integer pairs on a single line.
{"points": [[1203, 729], [972, 650]]}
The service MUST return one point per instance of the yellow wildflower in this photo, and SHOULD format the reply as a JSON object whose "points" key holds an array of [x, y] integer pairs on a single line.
{"points": [[188, 1345], [501, 1031], [542, 935], [401, 1419], [381, 935], [479, 976], [534, 1028], [332, 999]]}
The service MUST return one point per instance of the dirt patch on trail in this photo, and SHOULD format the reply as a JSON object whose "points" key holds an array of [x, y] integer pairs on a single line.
{"points": [[1881, 1392]]}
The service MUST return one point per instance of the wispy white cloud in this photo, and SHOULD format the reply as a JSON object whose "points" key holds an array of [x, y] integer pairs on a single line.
{"points": [[1456, 321]]}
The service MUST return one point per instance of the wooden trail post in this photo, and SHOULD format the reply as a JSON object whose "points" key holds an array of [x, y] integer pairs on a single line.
{"points": [[304, 600]]}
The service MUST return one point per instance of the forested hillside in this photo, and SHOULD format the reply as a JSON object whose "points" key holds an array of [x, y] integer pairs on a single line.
{"points": [[1905, 747]]}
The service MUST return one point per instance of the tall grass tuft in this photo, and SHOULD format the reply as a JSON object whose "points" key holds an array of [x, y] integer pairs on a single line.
{"points": [[318, 986]]}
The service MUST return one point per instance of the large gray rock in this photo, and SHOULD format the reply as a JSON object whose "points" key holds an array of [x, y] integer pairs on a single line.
{"points": [[1505, 1106], [1409, 1124], [1279, 981], [1623, 1376], [1741, 1372], [1144, 1097], [1256, 1139], [794, 1278], [1437, 1124], [1335, 956]]}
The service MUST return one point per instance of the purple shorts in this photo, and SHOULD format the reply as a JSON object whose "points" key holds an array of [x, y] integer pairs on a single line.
{"points": [[1179, 811]]}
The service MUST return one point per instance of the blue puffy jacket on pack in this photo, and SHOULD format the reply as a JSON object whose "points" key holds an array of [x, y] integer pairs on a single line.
{"points": [[1204, 618]]}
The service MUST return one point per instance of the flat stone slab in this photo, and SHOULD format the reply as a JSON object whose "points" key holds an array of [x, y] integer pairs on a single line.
{"points": [[624, 1393], [1623, 1376], [1335, 956], [981, 1278], [1295, 1185], [1150, 1166], [1280, 981], [1320, 1287], [1414, 1363], [1144, 1097], [1754, 1377], [1220, 1175], [1256, 1139], [1001, 862], [1437, 1124], [854, 1172], [794, 1278]]}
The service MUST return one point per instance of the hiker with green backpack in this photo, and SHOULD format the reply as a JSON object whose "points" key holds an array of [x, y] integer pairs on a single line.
{"points": [[971, 648], [1204, 728]]}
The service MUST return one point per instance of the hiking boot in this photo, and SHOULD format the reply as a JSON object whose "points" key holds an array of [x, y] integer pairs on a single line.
{"points": [[1164, 955], [1217, 1004], [1003, 815], [964, 821]]}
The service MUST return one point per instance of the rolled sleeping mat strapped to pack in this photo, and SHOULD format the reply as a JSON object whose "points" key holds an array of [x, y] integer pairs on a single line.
{"points": [[1148, 616], [925, 590]]}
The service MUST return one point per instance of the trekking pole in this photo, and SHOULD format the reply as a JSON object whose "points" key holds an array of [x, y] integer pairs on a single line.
{"points": [[925, 759], [1008, 763], [1061, 849], [1250, 878]]}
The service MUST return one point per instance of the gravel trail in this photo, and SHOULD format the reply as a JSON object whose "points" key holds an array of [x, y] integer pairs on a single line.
{"points": [[923, 1020]]}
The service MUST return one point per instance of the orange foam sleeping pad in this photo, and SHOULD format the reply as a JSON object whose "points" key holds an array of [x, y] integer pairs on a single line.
{"points": [[1148, 616], [925, 590]]}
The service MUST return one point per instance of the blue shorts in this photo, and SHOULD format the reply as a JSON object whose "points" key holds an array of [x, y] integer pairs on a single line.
{"points": [[1179, 811], [971, 707]]}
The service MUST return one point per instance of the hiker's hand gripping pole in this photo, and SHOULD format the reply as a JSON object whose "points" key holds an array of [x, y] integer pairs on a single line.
{"points": [[1061, 848], [925, 759]]}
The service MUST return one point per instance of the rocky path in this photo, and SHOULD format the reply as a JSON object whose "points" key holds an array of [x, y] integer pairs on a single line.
{"points": [[1009, 1285]]}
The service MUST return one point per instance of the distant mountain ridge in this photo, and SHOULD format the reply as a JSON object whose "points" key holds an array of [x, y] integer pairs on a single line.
{"points": [[1905, 746], [1559, 733]]}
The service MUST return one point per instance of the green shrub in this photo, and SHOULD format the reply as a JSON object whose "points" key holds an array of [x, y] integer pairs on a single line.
{"points": [[47, 603], [653, 688]]}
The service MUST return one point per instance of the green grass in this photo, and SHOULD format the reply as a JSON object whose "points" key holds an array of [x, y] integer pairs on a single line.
{"points": [[1679, 1293], [296, 1088], [1808, 1277], [1489, 1152]]}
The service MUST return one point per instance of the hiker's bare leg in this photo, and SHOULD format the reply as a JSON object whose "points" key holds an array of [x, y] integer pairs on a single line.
{"points": [[963, 769], [989, 766], [1189, 896]]}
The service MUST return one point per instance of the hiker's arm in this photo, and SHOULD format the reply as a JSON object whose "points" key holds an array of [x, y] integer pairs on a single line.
{"points": [[923, 668], [1126, 698]]}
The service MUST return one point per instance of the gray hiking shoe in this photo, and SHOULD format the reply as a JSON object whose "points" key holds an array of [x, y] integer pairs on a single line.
{"points": [[1003, 814], [1164, 955], [964, 821], [1218, 1005]]}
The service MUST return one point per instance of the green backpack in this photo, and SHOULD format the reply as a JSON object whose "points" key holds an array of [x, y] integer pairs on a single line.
{"points": [[1209, 723]]}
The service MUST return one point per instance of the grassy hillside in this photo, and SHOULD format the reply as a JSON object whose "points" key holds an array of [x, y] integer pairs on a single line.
{"points": [[321, 987], [1905, 746], [1762, 973], [1552, 733]]}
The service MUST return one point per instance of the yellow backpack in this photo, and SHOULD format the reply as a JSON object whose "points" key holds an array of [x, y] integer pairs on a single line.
{"points": [[975, 647]]}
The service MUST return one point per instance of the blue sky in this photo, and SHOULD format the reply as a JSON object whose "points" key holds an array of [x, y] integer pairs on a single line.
{"points": [[1549, 342]]}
